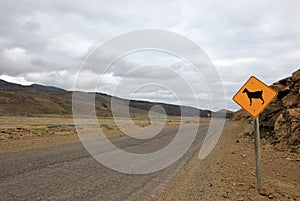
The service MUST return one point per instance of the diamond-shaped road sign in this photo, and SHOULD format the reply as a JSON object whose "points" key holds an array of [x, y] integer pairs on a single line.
{"points": [[254, 96]]}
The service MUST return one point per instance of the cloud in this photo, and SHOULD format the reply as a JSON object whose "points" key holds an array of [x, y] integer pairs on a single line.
{"points": [[18, 80], [47, 42]]}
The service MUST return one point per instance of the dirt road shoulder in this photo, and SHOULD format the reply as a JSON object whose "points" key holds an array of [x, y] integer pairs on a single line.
{"points": [[228, 173]]}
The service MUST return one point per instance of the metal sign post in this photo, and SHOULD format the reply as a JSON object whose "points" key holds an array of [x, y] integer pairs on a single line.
{"points": [[257, 152]]}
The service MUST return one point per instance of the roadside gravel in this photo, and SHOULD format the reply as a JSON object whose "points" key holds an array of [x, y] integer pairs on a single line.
{"points": [[228, 173]]}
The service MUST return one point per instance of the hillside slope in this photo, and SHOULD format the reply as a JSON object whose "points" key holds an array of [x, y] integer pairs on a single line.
{"points": [[37, 99]]}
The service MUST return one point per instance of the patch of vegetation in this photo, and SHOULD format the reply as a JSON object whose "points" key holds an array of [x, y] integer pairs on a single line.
{"points": [[39, 131]]}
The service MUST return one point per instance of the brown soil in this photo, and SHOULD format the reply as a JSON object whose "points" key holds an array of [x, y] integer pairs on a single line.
{"points": [[228, 173], [16, 145], [19, 133], [26, 138]]}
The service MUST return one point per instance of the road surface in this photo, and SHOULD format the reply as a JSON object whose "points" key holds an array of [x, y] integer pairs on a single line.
{"points": [[68, 172]]}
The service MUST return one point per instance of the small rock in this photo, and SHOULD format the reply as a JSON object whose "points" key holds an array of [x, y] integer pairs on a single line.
{"points": [[266, 191], [290, 100], [225, 195]]}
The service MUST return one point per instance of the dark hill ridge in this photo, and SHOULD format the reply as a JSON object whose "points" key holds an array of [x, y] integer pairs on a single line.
{"points": [[34, 88], [48, 88], [16, 99]]}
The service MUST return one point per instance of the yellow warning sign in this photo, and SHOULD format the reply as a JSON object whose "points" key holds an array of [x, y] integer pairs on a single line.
{"points": [[254, 96]]}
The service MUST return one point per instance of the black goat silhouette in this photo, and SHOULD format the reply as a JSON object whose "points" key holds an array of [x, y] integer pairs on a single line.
{"points": [[255, 94]]}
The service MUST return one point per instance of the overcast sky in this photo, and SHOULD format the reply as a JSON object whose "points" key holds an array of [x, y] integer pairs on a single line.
{"points": [[46, 41]]}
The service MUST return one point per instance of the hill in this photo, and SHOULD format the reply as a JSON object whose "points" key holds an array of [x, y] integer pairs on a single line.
{"points": [[35, 100]]}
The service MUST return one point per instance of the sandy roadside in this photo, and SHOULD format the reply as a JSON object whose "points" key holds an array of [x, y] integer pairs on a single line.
{"points": [[228, 173], [18, 133]]}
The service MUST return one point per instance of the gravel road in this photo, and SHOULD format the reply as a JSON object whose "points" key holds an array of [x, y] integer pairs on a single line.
{"points": [[68, 172]]}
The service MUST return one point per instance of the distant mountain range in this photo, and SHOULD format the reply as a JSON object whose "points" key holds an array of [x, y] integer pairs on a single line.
{"points": [[35, 100]]}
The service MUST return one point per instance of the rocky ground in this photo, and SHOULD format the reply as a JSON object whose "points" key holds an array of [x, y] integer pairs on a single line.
{"points": [[228, 173]]}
